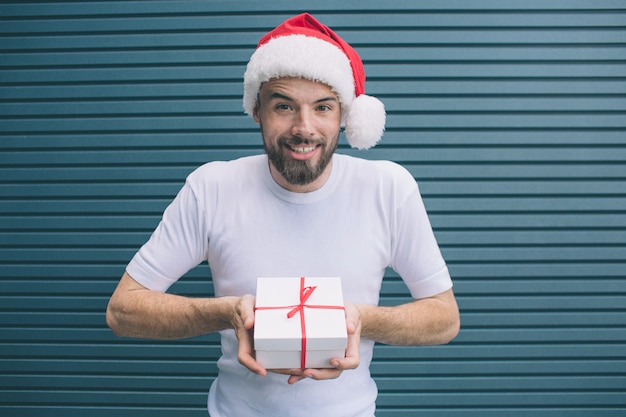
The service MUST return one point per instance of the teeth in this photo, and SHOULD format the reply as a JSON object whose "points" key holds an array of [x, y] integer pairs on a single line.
{"points": [[304, 149]]}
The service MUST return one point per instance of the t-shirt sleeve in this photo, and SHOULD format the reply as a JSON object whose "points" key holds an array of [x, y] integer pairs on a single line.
{"points": [[416, 256], [178, 244]]}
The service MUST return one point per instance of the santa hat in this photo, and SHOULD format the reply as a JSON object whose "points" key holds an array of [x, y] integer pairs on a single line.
{"points": [[303, 47]]}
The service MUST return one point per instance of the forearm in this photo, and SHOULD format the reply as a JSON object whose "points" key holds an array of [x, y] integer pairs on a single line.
{"points": [[135, 311], [428, 321]]}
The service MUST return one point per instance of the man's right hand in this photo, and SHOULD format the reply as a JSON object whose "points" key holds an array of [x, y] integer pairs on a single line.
{"points": [[243, 324]]}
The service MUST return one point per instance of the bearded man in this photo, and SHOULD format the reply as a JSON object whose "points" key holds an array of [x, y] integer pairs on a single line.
{"points": [[300, 209]]}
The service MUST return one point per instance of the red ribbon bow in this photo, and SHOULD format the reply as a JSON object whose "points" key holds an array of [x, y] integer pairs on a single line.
{"points": [[305, 293]]}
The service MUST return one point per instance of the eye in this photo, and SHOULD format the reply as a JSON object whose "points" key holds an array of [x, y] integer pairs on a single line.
{"points": [[324, 108], [283, 107]]}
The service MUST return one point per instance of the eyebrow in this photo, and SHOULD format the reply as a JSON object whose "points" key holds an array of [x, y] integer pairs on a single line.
{"points": [[280, 96]]}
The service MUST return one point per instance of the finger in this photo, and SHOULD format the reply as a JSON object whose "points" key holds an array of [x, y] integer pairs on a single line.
{"points": [[352, 358], [321, 374], [353, 355], [252, 365], [286, 371], [245, 353], [295, 374], [353, 319], [246, 311], [245, 350], [295, 378]]}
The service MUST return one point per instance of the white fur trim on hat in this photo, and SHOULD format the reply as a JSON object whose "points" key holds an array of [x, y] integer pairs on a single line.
{"points": [[298, 56]]}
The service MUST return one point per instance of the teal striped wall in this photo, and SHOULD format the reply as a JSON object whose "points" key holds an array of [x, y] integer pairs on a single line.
{"points": [[510, 114]]}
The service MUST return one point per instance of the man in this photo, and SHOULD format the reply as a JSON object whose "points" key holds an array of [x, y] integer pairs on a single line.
{"points": [[299, 210]]}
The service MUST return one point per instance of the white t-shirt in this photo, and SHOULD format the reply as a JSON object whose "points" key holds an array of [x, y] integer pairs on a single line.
{"points": [[368, 216]]}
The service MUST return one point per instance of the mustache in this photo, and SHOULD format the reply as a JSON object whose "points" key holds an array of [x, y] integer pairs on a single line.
{"points": [[296, 141]]}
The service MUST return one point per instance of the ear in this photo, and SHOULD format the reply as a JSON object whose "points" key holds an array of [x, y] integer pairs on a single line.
{"points": [[255, 112]]}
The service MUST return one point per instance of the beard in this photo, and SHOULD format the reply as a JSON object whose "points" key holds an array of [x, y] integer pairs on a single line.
{"points": [[297, 172]]}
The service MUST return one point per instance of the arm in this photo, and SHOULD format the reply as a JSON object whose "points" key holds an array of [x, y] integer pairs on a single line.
{"points": [[137, 311], [428, 321]]}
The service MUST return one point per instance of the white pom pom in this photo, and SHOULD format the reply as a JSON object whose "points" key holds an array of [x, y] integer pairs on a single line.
{"points": [[365, 122]]}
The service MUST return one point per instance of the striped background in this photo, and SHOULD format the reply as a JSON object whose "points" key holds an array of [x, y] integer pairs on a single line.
{"points": [[510, 114]]}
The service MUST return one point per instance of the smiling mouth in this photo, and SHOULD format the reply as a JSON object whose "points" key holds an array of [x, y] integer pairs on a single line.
{"points": [[301, 146], [302, 149]]}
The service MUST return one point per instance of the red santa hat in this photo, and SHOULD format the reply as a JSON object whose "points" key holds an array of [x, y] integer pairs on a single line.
{"points": [[303, 47]]}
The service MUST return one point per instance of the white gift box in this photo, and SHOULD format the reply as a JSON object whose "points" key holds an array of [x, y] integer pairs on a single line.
{"points": [[299, 322]]}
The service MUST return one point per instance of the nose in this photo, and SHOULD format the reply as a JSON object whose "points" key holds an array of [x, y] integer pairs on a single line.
{"points": [[303, 124]]}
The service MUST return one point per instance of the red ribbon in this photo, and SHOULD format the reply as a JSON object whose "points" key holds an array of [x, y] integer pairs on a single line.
{"points": [[305, 293]]}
